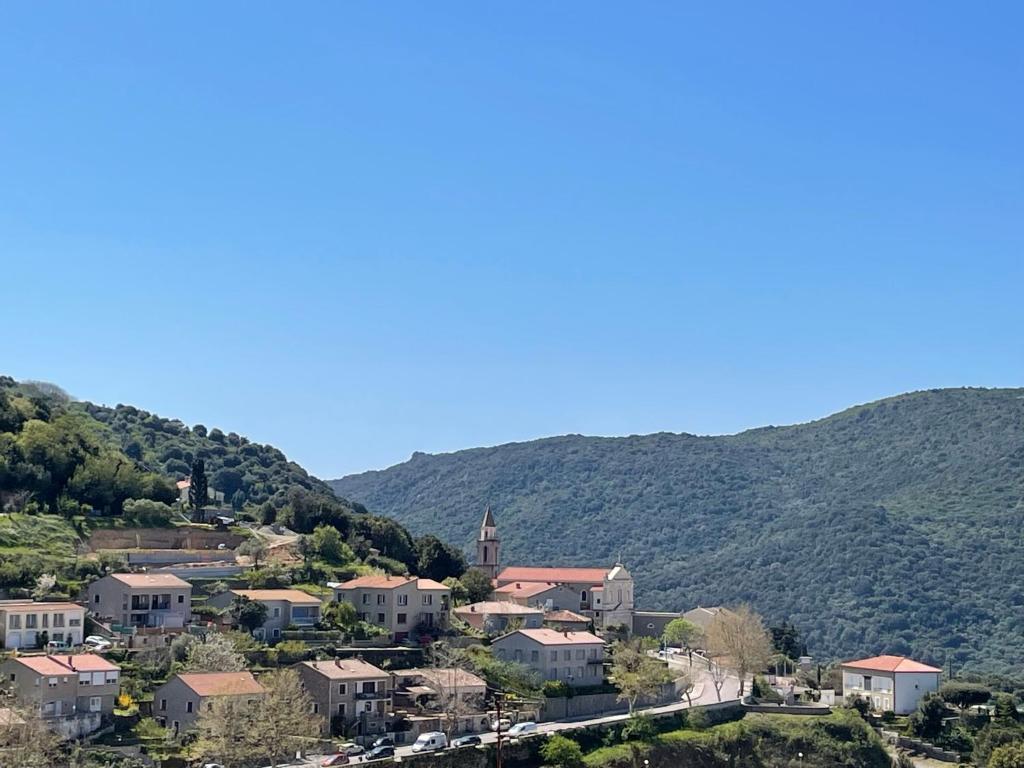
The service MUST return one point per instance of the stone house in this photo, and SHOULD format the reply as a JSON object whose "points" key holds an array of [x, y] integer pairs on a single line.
{"points": [[178, 702], [73, 692], [576, 658], [147, 600], [26, 623], [353, 696]]}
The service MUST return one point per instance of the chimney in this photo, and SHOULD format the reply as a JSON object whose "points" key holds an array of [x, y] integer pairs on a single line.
{"points": [[337, 663], [71, 663]]}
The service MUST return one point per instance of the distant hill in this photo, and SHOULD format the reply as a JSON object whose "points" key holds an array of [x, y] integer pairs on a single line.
{"points": [[889, 527]]}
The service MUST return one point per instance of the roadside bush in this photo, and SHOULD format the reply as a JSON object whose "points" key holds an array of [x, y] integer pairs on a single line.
{"points": [[561, 752]]}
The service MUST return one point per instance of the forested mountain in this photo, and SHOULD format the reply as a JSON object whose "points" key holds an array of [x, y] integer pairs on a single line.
{"points": [[889, 527]]}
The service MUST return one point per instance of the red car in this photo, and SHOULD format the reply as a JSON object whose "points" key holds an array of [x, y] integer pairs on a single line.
{"points": [[339, 759]]}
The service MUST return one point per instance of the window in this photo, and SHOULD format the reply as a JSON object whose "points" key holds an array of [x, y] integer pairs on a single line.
{"points": [[111, 677], [382, 598], [277, 631], [96, 598], [163, 705], [181, 599], [380, 618], [428, 599], [341, 709], [554, 655], [316, 708], [403, 599], [579, 671], [517, 654], [209, 706], [277, 613], [13, 677], [15, 622], [31, 621], [74, 622], [581, 653], [366, 599], [583, 596], [368, 706], [534, 655], [58, 620], [342, 689], [401, 618], [84, 679], [58, 636], [566, 655], [188, 706], [94, 703], [369, 687], [52, 682]]}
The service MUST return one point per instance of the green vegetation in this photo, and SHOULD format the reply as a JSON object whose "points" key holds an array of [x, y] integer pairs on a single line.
{"points": [[756, 741], [891, 527], [67, 467]]}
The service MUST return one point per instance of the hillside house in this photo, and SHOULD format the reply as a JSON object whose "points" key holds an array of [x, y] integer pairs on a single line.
{"points": [[178, 702], [30, 624], [73, 692], [576, 658], [353, 696], [398, 604], [285, 608], [893, 683], [147, 600]]}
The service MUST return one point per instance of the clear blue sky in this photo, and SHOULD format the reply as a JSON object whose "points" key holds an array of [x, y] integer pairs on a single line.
{"points": [[359, 230]]}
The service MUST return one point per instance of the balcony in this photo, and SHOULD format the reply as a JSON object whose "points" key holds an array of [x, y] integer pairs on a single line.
{"points": [[372, 695]]}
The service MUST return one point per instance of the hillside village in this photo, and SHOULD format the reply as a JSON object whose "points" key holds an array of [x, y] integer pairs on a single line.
{"points": [[151, 660]]}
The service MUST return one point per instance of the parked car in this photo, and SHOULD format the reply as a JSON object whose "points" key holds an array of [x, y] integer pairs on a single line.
{"points": [[351, 749], [466, 741], [98, 643], [378, 753], [430, 741], [383, 741], [521, 729], [501, 725], [337, 759]]}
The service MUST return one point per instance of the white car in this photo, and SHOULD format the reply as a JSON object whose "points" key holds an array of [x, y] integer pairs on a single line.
{"points": [[501, 725], [98, 643], [521, 729]]}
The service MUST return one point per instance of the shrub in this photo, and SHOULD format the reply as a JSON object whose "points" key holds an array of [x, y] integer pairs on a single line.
{"points": [[562, 752]]}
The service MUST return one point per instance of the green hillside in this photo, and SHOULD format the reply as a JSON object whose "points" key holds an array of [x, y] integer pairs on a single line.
{"points": [[67, 464], [890, 527]]}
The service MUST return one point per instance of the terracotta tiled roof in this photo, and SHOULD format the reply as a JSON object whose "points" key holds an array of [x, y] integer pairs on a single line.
{"points": [[66, 665], [554, 637], [890, 664], [497, 607], [221, 683], [523, 589], [558, 575], [343, 669], [444, 677], [287, 595], [149, 579], [389, 582], [21, 605]]}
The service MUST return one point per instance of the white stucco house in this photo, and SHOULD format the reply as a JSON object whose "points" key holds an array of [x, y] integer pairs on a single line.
{"points": [[890, 682]]}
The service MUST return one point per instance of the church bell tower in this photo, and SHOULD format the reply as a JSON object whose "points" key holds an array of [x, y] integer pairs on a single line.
{"points": [[488, 546]]}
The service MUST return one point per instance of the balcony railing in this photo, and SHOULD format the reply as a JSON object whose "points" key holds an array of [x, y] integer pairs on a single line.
{"points": [[366, 695]]}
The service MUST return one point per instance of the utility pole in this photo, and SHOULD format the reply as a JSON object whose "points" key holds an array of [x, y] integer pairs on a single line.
{"points": [[497, 704]]}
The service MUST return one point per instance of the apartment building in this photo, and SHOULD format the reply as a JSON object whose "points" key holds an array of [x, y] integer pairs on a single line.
{"points": [[399, 604], [73, 692], [353, 696], [893, 683], [142, 600], [30, 624]]}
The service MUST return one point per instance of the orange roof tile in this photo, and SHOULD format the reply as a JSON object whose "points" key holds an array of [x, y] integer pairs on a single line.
{"points": [[221, 683], [554, 637], [341, 669], [35, 605], [890, 664], [524, 589], [566, 616], [557, 575], [66, 665], [497, 608], [389, 582]]}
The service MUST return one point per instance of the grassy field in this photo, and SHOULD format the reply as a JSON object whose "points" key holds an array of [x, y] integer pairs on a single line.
{"points": [[47, 535]]}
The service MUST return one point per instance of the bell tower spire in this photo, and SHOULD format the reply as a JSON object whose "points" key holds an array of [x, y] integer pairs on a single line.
{"points": [[488, 546]]}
